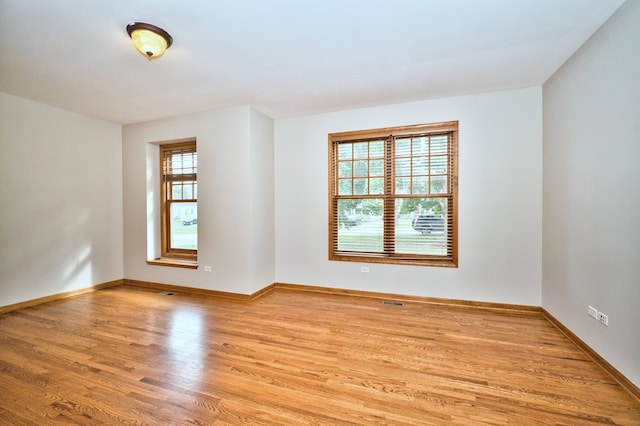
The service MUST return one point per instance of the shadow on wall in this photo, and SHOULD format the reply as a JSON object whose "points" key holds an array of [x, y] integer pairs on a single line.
{"points": [[55, 251]]}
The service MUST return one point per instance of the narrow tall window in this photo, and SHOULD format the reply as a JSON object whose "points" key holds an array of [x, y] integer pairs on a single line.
{"points": [[393, 195], [179, 210]]}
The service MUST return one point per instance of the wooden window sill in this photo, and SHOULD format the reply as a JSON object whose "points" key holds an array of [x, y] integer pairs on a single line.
{"points": [[176, 263]]}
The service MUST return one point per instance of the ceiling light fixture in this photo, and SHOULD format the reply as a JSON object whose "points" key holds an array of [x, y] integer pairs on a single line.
{"points": [[150, 40]]}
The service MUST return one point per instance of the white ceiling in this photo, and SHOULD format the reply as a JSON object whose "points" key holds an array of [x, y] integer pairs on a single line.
{"points": [[285, 57]]}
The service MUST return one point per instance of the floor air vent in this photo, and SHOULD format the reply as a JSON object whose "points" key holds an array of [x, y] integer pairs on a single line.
{"points": [[392, 303]]}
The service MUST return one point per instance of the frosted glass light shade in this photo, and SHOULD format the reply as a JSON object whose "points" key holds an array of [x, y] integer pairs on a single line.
{"points": [[150, 40]]}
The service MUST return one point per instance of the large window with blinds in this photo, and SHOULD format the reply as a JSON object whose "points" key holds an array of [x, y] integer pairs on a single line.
{"points": [[393, 195], [179, 200]]}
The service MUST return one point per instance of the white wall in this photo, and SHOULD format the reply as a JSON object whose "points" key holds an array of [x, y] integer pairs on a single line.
{"points": [[500, 200], [591, 236], [61, 208], [261, 199], [235, 186]]}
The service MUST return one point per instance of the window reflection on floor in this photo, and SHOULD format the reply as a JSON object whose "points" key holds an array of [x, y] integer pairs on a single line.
{"points": [[186, 351]]}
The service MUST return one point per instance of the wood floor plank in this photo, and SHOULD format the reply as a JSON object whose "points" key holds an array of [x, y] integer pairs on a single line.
{"points": [[130, 355]]}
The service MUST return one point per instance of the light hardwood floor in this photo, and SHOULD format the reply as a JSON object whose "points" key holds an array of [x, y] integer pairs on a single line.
{"points": [[130, 355]]}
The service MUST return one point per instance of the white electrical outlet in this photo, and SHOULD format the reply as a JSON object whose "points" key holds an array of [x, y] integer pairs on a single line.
{"points": [[207, 268], [593, 312], [364, 269], [603, 318]]}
